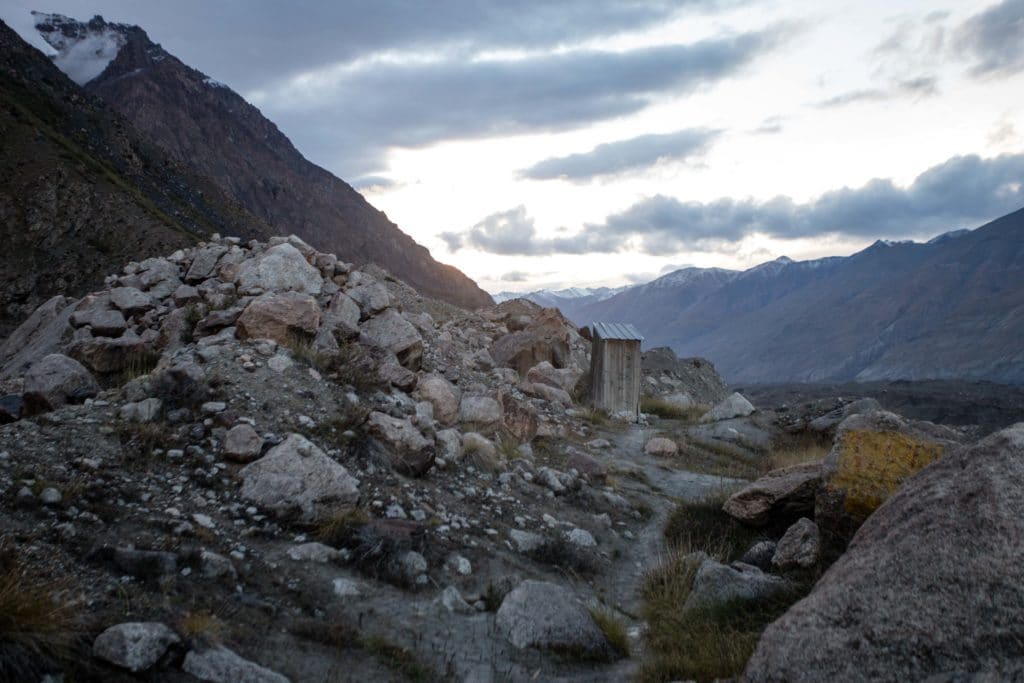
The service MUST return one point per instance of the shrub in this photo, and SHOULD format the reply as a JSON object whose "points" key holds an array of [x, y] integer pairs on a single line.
{"points": [[702, 526]]}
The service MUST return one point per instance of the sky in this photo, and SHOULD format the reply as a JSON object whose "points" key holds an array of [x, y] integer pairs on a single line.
{"points": [[603, 142]]}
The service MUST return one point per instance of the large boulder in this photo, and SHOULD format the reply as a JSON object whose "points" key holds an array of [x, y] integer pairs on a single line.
{"points": [[560, 378], [101, 320], [482, 410], [56, 380], [831, 420], [297, 476], [106, 355], [734, 405], [519, 417], [716, 584], [242, 443], [159, 277], [682, 381], [548, 337], [130, 300], [41, 334], [872, 456], [780, 496], [281, 268], [134, 645], [340, 322], [409, 451], [548, 616], [221, 665], [389, 330], [929, 589], [282, 317], [442, 395], [205, 262]]}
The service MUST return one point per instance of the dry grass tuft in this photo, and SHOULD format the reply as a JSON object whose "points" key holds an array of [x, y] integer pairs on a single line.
{"points": [[341, 525], [655, 405], [203, 624], [39, 628], [797, 450], [702, 526], [614, 630]]}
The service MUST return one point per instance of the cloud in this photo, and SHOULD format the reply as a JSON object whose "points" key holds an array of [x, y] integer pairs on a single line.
{"points": [[964, 190], [515, 276], [373, 183], [415, 103], [624, 155], [993, 39], [914, 88]]}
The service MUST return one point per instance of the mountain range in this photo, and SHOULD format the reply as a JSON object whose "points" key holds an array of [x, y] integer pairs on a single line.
{"points": [[116, 150], [949, 308]]}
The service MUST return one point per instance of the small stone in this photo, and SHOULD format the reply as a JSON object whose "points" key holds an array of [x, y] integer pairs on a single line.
{"points": [[313, 552], [345, 587], [50, 496], [213, 407], [581, 538], [135, 646], [280, 362]]}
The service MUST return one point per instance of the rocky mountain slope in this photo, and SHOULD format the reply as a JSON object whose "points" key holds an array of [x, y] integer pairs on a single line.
{"points": [[82, 192], [952, 308], [210, 127]]}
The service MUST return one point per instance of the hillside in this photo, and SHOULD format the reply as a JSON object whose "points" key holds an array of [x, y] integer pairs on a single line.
{"points": [[82, 191], [210, 127], [951, 308]]}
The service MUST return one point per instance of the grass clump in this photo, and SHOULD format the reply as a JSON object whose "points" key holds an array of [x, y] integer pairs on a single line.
{"points": [[39, 629], [203, 624], [341, 525], [140, 439], [705, 644], [655, 405], [614, 630], [798, 450], [571, 559], [702, 526], [398, 658]]}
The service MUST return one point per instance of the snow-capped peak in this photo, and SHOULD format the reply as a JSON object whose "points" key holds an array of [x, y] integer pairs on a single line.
{"points": [[83, 50]]}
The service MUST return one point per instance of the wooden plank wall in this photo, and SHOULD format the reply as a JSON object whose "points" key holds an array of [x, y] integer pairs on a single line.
{"points": [[615, 375]]}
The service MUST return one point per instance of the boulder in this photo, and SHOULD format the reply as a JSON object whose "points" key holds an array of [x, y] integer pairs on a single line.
{"points": [[547, 392], [105, 355], [134, 645], [717, 584], [242, 443], [519, 417], [205, 263], [482, 410], [371, 296], [281, 268], [545, 373], [221, 665], [146, 410], [799, 547], [760, 555], [12, 407], [449, 444], [734, 405], [928, 589], [525, 541], [56, 380], [781, 495], [101, 321], [659, 446], [872, 456], [545, 615], [296, 475], [829, 421], [389, 330], [130, 300], [159, 277], [548, 337], [340, 323], [442, 395], [281, 317], [409, 451], [41, 334]]}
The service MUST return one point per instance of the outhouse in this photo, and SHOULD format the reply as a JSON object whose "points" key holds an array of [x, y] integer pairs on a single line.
{"points": [[615, 367]]}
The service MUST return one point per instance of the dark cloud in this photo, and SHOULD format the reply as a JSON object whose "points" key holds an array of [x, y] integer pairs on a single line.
{"points": [[245, 43], [994, 39], [964, 190], [410, 104], [624, 155], [914, 88], [515, 276]]}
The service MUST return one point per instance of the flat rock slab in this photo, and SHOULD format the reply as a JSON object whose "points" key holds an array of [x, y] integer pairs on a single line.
{"points": [[134, 645], [548, 616]]}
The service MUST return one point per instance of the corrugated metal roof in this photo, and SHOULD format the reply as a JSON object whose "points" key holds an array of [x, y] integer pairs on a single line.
{"points": [[623, 331]]}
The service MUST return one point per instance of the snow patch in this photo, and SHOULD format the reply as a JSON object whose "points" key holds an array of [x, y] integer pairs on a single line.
{"points": [[83, 52], [214, 83]]}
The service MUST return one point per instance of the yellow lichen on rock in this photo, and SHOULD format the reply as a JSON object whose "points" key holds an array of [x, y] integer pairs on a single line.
{"points": [[872, 465]]}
